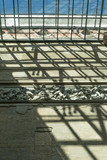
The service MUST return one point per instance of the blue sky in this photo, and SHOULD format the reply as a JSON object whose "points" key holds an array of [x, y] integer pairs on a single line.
{"points": [[50, 6]]}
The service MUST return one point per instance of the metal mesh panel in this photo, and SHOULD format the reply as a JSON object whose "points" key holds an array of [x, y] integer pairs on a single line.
{"points": [[42, 20]]}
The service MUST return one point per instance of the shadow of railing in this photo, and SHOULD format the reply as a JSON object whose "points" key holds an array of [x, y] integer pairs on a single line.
{"points": [[58, 62], [85, 143], [75, 118]]}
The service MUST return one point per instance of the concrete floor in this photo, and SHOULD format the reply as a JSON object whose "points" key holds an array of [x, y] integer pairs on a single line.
{"points": [[53, 62], [53, 131], [50, 34]]}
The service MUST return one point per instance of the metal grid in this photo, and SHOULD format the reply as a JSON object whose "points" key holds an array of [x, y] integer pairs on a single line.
{"points": [[51, 24]]}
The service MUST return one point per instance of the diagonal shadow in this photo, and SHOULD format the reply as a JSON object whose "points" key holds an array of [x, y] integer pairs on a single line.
{"points": [[100, 133], [41, 124], [103, 130], [76, 135], [63, 65]]}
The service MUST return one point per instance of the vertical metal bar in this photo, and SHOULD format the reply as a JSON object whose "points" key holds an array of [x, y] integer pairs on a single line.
{"points": [[86, 20], [102, 6], [82, 13], [96, 13], [4, 13], [43, 18], [58, 20], [68, 11], [18, 13], [29, 17], [1, 26], [56, 10], [14, 18], [72, 18], [31, 10]]}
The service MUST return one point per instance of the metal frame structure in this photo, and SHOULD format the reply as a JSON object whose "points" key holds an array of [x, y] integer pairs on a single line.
{"points": [[72, 23]]}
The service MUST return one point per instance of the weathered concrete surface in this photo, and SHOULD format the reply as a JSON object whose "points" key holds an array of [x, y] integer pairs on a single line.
{"points": [[22, 109], [54, 132], [53, 62], [76, 134]]}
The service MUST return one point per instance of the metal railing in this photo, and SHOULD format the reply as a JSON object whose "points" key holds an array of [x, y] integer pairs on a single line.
{"points": [[52, 20]]}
